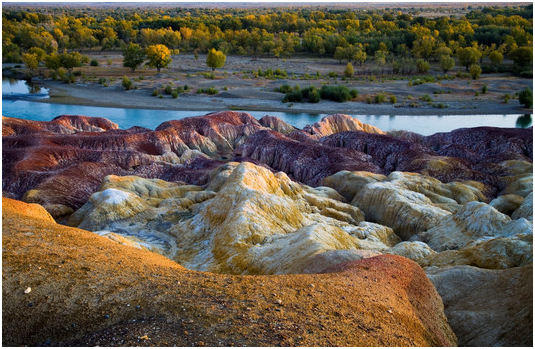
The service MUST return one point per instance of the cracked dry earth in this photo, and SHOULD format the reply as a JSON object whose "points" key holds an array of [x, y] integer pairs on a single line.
{"points": [[87, 290]]}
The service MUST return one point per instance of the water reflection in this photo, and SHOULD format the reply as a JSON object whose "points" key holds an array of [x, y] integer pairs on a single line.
{"points": [[34, 88], [10, 81], [15, 89], [524, 121]]}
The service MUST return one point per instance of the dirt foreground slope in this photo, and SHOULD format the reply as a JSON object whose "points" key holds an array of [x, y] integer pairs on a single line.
{"points": [[65, 286]]}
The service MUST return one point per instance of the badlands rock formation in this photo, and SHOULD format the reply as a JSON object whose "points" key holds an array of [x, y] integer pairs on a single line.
{"points": [[337, 123], [488, 307], [63, 124], [84, 150], [226, 193], [64, 286], [247, 221]]}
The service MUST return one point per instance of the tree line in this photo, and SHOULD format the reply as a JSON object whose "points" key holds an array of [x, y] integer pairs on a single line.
{"points": [[382, 36]]}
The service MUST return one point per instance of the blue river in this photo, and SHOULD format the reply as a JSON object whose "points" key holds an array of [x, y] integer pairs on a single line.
{"points": [[17, 102]]}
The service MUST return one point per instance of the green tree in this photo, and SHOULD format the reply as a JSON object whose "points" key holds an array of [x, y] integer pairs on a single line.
{"points": [[340, 53], [468, 56], [52, 61], [442, 51], [446, 63], [359, 56], [39, 52], [422, 66], [423, 47], [522, 56], [496, 57], [159, 56], [215, 59], [475, 71], [349, 71], [380, 58], [133, 55], [30, 60], [70, 60], [525, 97]]}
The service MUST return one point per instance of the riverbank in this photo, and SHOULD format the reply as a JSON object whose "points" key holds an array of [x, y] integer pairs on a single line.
{"points": [[258, 100], [241, 88]]}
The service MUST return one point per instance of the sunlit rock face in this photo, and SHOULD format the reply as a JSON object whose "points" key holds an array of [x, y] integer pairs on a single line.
{"points": [[408, 202], [473, 221], [215, 134], [487, 307], [337, 123], [276, 124], [63, 124], [246, 221]]}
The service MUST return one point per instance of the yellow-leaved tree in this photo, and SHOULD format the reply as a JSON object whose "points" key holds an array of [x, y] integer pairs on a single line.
{"points": [[159, 56], [215, 59]]}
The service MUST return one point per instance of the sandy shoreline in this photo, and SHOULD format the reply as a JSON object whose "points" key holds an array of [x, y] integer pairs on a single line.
{"points": [[253, 100]]}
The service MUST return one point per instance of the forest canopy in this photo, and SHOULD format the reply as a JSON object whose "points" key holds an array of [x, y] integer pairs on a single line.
{"points": [[348, 35]]}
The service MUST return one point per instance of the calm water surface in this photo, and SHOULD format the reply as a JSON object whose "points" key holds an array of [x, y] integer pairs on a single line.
{"points": [[14, 90]]}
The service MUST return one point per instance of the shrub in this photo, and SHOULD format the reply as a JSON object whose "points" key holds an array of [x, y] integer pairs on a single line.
{"points": [[109, 61], [211, 91], [281, 73], [369, 100], [94, 63], [127, 83], [332, 74], [186, 87], [209, 76], [475, 71], [284, 88], [525, 97], [426, 98], [168, 89], [293, 96], [155, 92], [174, 94], [379, 98], [312, 94], [335, 93], [393, 99], [506, 97], [354, 93]]}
